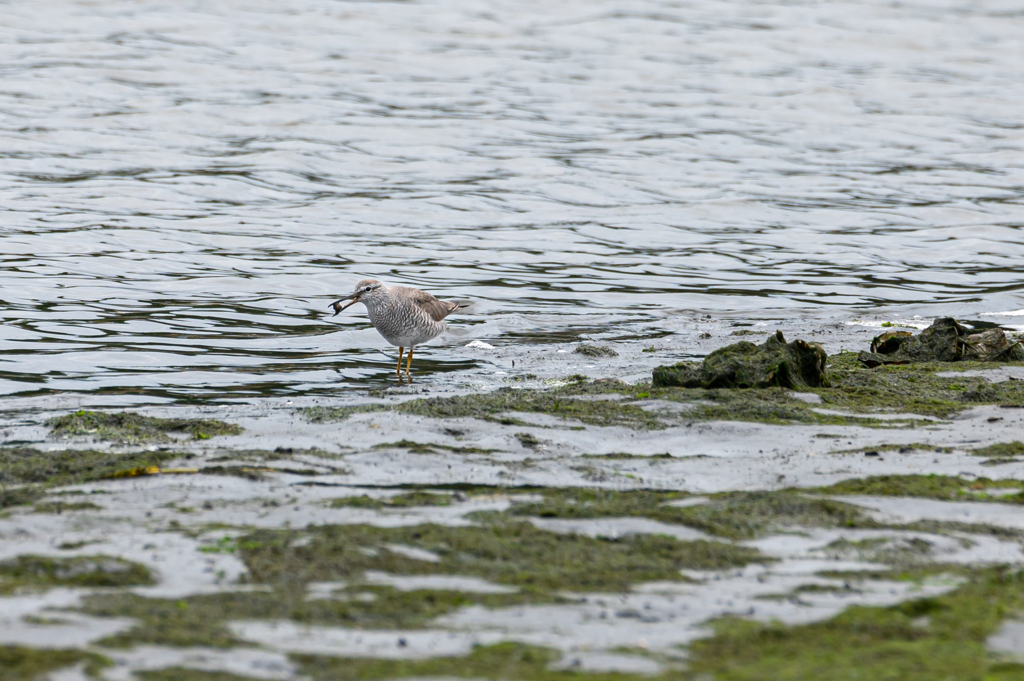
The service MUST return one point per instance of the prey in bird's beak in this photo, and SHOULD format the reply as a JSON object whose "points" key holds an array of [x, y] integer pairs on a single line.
{"points": [[338, 307]]}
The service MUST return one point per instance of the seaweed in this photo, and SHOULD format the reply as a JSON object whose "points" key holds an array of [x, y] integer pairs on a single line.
{"points": [[942, 637], [595, 350], [133, 428], [26, 473], [796, 365], [944, 487], [405, 500], [505, 552], [19, 663], [732, 515], [946, 340], [44, 572], [500, 662]]}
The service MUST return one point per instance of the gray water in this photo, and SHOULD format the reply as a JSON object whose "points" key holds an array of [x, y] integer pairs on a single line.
{"points": [[186, 186]]}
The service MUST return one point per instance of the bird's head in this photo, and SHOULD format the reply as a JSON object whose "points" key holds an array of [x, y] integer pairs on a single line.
{"points": [[367, 288]]}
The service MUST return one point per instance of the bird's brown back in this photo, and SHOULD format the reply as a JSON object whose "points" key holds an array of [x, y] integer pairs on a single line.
{"points": [[435, 309]]}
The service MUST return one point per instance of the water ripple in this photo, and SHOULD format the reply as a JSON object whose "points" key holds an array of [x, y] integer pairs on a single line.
{"points": [[186, 188]]}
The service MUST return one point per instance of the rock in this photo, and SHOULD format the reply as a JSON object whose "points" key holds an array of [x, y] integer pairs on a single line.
{"points": [[595, 350], [946, 340], [793, 365]]}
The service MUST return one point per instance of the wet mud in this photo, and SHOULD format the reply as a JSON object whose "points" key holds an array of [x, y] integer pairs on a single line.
{"points": [[601, 526]]}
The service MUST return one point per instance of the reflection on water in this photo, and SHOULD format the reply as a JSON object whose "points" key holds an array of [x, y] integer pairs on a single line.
{"points": [[187, 187]]}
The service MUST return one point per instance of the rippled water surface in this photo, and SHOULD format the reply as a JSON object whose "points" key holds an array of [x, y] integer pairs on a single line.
{"points": [[186, 186]]}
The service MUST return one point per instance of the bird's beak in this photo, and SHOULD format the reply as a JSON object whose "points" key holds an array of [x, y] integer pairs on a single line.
{"points": [[338, 307]]}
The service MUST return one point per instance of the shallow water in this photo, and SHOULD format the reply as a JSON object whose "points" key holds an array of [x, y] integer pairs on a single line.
{"points": [[187, 186]]}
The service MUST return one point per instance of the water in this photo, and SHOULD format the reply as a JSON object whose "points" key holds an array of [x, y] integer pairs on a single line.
{"points": [[186, 186]]}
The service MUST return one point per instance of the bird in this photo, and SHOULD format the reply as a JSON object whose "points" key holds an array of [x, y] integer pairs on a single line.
{"points": [[405, 316]]}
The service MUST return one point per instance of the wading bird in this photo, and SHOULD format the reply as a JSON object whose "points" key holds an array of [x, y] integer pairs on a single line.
{"points": [[405, 316]]}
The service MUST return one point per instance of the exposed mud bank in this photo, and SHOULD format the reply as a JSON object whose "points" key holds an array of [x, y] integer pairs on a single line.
{"points": [[597, 526]]}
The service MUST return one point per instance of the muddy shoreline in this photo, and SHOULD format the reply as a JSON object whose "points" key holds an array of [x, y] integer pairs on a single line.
{"points": [[542, 526]]}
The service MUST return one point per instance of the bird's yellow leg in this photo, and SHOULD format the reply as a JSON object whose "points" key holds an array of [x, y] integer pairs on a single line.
{"points": [[408, 362], [401, 351]]}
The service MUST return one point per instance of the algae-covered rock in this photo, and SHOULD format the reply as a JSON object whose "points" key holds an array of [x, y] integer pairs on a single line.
{"points": [[744, 365], [595, 350], [946, 340]]}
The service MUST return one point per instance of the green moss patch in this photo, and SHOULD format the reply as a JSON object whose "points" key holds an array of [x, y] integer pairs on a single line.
{"points": [[733, 515], [431, 448], [26, 473], [200, 620], [180, 674], [946, 340], [1001, 450], [776, 363], [860, 394], [195, 621], [540, 564], [572, 502], [42, 572], [504, 661], [133, 428], [18, 663], [59, 507], [512, 553], [919, 640], [914, 388], [405, 500], [945, 487], [491, 407], [595, 350], [745, 515]]}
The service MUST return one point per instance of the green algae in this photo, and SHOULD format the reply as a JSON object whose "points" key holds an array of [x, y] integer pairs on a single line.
{"points": [[44, 572], [588, 350], [182, 674], [431, 448], [528, 440], [914, 389], [496, 406], [200, 620], [132, 428], [500, 662], [746, 515], [399, 501], [901, 448], [946, 340], [18, 663], [540, 564], [267, 455], [942, 637], [1001, 450], [59, 507], [732, 515], [860, 393], [26, 473], [511, 553], [944, 487], [193, 621], [860, 396], [898, 552], [596, 503], [776, 363]]}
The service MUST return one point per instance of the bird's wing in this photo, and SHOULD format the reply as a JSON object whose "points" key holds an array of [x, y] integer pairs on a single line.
{"points": [[436, 309]]}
